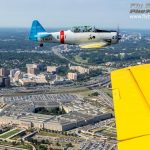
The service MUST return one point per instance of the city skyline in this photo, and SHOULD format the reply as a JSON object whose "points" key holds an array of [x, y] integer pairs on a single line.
{"points": [[105, 14]]}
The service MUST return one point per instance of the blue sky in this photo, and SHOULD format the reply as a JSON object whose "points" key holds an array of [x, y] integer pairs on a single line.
{"points": [[67, 13]]}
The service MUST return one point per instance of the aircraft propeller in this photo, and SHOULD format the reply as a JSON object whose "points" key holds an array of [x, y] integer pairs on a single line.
{"points": [[118, 34]]}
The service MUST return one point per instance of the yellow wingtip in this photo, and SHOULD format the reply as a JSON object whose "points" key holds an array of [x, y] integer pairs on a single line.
{"points": [[131, 96]]}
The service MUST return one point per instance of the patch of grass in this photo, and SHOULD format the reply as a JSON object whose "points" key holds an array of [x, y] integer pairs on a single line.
{"points": [[50, 134], [5, 143], [24, 146], [80, 60], [9, 133], [18, 136], [59, 135], [18, 145], [86, 93]]}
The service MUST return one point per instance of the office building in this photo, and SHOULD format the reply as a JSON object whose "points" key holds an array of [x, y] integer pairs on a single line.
{"points": [[72, 76]]}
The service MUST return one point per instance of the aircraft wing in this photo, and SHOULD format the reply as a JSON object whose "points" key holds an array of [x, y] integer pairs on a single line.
{"points": [[131, 96], [94, 45]]}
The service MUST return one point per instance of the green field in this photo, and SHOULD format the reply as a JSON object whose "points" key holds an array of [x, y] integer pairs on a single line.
{"points": [[80, 60], [86, 93], [50, 134], [18, 145], [9, 133], [44, 133]]}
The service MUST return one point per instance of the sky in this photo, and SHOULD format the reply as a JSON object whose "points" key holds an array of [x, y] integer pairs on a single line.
{"points": [[67, 13]]}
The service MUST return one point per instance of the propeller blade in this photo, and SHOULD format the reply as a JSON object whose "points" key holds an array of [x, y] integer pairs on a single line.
{"points": [[118, 33]]}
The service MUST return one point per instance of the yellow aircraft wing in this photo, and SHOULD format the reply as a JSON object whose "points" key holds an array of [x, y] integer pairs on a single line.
{"points": [[94, 45], [131, 96]]}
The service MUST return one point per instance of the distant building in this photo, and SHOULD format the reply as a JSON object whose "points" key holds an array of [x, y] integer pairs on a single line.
{"points": [[18, 75], [1, 82], [33, 68], [31, 79], [72, 76], [62, 123], [4, 72], [41, 79], [32, 71], [27, 82], [80, 69], [52, 69], [12, 72], [4, 81], [32, 65]]}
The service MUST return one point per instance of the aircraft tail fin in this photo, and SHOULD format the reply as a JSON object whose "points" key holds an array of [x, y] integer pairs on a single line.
{"points": [[35, 29], [131, 96]]}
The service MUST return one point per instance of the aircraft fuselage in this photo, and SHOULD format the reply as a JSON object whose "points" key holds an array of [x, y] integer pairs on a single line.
{"points": [[69, 37]]}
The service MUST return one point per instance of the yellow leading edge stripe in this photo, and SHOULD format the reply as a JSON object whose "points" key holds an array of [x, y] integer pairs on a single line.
{"points": [[131, 96]]}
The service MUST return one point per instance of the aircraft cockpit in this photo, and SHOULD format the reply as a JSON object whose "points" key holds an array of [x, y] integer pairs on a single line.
{"points": [[78, 29]]}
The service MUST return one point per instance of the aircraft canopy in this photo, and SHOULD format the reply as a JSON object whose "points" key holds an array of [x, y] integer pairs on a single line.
{"points": [[79, 29], [82, 29]]}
